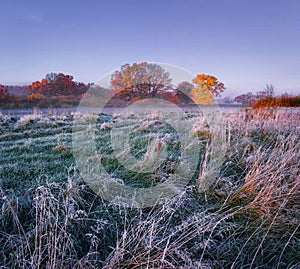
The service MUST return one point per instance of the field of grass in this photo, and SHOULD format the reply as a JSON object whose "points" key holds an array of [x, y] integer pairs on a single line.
{"points": [[248, 218]]}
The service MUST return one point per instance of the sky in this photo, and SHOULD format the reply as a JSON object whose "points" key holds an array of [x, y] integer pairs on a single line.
{"points": [[244, 43]]}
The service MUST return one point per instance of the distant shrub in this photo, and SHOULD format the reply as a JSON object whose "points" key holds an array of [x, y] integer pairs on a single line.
{"points": [[267, 102], [283, 101], [290, 101]]}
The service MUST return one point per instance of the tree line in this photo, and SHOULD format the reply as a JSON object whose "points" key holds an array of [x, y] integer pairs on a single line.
{"points": [[131, 83], [55, 90]]}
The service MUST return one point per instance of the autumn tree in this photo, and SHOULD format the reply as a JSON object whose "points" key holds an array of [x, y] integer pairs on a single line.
{"points": [[140, 80], [3, 92], [39, 87], [247, 99], [58, 85], [62, 85], [184, 91], [185, 87], [206, 88]]}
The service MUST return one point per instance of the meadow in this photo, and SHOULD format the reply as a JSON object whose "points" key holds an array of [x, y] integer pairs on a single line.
{"points": [[248, 218]]}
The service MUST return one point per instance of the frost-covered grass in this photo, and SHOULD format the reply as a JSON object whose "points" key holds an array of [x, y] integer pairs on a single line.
{"points": [[249, 218]]}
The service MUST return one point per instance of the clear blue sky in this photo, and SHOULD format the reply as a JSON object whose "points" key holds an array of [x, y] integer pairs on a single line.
{"points": [[244, 43]]}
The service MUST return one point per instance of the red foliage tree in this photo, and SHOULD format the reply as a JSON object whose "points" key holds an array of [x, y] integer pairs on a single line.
{"points": [[3, 92], [58, 85], [63, 85]]}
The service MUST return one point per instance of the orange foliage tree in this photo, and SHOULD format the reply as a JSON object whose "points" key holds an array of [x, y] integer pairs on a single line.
{"points": [[206, 88], [39, 87], [140, 80]]}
